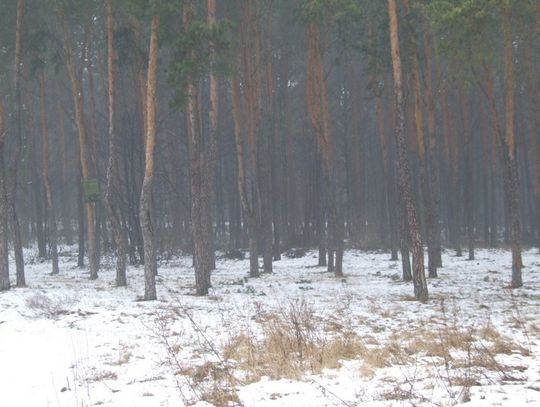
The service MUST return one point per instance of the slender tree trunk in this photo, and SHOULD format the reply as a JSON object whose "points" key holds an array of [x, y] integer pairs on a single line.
{"points": [[198, 192], [113, 185], [452, 170], [405, 245], [469, 172], [419, 278], [433, 214], [53, 232], [533, 121], [427, 193], [509, 149], [201, 216], [81, 227], [4, 254], [497, 138], [319, 111], [67, 227], [85, 159], [391, 204], [93, 147], [212, 148], [16, 156], [146, 210], [113, 178], [40, 218], [248, 208]]}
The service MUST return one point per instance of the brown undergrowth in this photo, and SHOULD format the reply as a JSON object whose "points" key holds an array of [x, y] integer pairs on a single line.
{"points": [[447, 350]]}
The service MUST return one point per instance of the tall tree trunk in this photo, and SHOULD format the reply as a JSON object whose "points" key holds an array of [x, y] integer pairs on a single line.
{"points": [[84, 154], [423, 156], [40, 218], [212, 158], [201, 216], [452, 173], [319, 112], [426, 192], [468, 172], [533, 121], [14, 164], [497, 138], [391, 204], [433, 214], [419, 278], [93, 143], [4, 255], [269, 199], [66, 214], [113, 178], [146, 210], [509, 150], [53, 232], [81, 227], [248, 208]]}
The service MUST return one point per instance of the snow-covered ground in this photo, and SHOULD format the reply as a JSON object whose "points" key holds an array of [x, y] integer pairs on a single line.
{"points": [[298, 337]]}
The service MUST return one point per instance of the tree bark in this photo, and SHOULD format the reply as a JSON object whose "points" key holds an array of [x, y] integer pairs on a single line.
{"points": [[146, 210], [468, 172], [419, 278], [16, 156], [391, 204], [113, 178], [509, 150], [212, 148], [433, 214], [4, 254], [53, 231], [533, 121], [201, 216], [84, 155], [248, 208], [319, 112]]}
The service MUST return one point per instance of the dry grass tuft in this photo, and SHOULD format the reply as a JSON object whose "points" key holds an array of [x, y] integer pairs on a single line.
{"points": [[293, 342]]}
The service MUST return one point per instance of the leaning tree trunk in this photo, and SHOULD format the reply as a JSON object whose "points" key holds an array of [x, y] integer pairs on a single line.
{"points": [[53, 231], [146, 212], [113, 177], [419, 277]]}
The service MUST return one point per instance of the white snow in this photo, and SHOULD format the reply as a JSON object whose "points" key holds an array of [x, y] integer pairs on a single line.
{"points": [[69, 341]]}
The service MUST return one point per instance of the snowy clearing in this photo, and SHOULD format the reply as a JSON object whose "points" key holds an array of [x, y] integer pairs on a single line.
{"points": [[298, 337]]}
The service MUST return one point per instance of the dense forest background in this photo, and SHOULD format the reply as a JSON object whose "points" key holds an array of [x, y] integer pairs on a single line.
{"points": [[149, 128]]}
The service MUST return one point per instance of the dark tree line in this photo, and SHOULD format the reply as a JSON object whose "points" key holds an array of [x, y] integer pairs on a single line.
{"points": [[146, 128]]}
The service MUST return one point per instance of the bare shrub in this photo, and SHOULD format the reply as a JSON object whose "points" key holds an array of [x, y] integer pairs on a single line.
{"points": [[212, 379], [292, 342], [50, 306], [458, 354]]}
